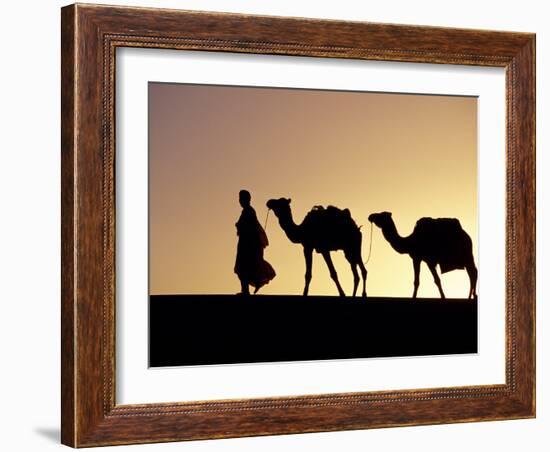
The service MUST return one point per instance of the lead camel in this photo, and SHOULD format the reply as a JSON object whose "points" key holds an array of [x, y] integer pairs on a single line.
{"points": [[324, 230]]}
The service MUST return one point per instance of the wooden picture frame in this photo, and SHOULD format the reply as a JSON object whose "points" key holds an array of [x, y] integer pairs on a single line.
{"points": [[90, 36]]}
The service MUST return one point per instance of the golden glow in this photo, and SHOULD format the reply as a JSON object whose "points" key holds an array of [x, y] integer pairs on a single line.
{"points": [[413, 155]]}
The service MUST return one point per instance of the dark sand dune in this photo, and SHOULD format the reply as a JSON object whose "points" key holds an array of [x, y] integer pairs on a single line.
{"points": [[223, 329]]}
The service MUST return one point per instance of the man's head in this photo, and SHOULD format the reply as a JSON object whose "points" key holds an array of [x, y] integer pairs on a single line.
{"points": [[244, 198]]}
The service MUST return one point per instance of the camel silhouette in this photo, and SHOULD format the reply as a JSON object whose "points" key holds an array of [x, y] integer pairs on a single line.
{"points": [[435, 241], [324, 230]]}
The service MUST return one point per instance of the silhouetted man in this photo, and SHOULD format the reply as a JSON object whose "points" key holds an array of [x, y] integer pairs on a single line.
{"points": [[250, 265]]}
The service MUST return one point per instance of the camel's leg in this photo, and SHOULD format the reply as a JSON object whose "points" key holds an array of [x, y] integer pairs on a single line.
{"points": [[332, 272], [472, 274], [353, 266], [355, 260], [308, 254], [416, 267], [364, 275], [437, 280]]}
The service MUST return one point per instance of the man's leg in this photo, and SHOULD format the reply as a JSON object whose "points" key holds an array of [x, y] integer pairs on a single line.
{"points": [[244, 287]]}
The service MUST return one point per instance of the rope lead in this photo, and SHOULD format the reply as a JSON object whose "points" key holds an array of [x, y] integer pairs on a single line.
{"points": [[370, 245], [266, 217]]}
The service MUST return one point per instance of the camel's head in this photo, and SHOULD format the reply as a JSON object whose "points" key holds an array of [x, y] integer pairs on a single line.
{"points": [[380, 219], [279, 206]]}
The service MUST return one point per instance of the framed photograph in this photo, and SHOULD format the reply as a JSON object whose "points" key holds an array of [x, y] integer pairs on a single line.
{"points": [[281, 225]]}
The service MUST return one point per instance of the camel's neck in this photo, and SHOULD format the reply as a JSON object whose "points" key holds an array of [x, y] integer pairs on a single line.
{"points": [[291, 229], [398, 243]]}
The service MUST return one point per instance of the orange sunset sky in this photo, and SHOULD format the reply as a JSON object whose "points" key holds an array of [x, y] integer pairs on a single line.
{"points": [[413, 155]]}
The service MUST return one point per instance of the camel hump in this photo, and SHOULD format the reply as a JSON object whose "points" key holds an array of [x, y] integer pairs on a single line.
{"points": [[449, 224], [439, 229], [336, 211], [330, 214]]}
